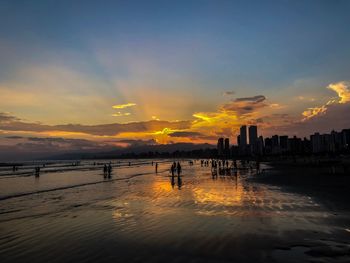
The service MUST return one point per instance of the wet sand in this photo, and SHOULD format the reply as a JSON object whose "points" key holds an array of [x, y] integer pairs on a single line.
{"points": [[77, 215]]}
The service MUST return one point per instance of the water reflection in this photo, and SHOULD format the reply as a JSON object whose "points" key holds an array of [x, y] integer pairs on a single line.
{"points": [[222, 191]]}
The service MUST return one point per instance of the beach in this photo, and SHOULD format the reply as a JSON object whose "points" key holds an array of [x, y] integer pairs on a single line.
{"points": [[71, 212]]}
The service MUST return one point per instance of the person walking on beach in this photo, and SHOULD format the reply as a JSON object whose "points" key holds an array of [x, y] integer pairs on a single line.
{"points": [[172, 169], [37, 171], [178, 169], [105, 169], [156, 167]]}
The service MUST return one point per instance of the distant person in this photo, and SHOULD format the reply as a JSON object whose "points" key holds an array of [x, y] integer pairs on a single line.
{"points": [[105, 169], [178, 169], [156, 167], [172, 169], [37, 171], [109, 170]]}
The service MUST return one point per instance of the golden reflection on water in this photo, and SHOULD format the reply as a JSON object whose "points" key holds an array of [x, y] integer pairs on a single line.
{"points": [[225, 194], [159, 187]]}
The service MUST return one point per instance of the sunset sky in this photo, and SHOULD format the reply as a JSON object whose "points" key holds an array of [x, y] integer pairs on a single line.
{"points": [[92, 74]]}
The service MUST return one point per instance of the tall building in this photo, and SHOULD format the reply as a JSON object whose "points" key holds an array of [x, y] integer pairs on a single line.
{"points": [[253, 135], [243, 140], [275, 144], [227, 147], [284, 143], [260, 146], [253, 139], [243, 136], [221, 146], [316, 142]]}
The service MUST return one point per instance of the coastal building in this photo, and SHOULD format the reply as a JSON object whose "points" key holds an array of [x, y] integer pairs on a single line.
{"points": [[227, 147], [253, 139], [243, 140], [220, 146]]}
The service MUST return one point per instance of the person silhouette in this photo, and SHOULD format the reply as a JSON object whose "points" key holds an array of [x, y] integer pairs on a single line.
{"points": [[105, 170], [178, 169], [172, 169], [156, 167]]}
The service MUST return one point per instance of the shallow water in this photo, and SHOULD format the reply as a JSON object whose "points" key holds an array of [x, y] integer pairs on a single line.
{"points": [[77, 215]]}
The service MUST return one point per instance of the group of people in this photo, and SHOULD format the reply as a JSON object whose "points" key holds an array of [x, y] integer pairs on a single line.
{"points": [[107, 170], [223, 167], [176, 167]]}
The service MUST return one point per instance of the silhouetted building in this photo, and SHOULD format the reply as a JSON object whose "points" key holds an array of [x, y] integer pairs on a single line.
{"points": [[220, 147], [227, 147], [268, 146], [316, 142], [260, 146], [253, 138], [275, 144], [253, 135], [243, 139], [284, 144], [333, 143]]}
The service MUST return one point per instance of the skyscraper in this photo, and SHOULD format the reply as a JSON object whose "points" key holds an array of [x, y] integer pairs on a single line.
{"points": [[253, 135], [243, 136], [227, 147], [221, 146]]}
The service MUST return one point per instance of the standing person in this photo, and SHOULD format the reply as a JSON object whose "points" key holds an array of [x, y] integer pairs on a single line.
{"points": [[105, 169], [178, 168], [172, 169], [156, 167]]}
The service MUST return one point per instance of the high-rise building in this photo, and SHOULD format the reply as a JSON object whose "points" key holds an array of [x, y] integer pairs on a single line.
{"points": [[260, 146], [284, 143], [253, 135], [243, 140], [275, 144], [253, 139], [221, 146], [243, 136], [227, 147], [316, 142]]}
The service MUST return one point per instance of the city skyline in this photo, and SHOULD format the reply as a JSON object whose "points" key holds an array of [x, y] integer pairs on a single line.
{"points": [[85, 76], [277, 144]]}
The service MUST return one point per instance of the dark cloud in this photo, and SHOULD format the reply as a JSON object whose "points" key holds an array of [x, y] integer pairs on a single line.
{"points": [[255, 99], [187, 134], [245, 105], [138, 142], [11, 123], [6, 117]]}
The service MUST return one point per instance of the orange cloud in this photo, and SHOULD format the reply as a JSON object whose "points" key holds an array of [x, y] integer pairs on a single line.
{"points": [[312, 112], [342, 89]]}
